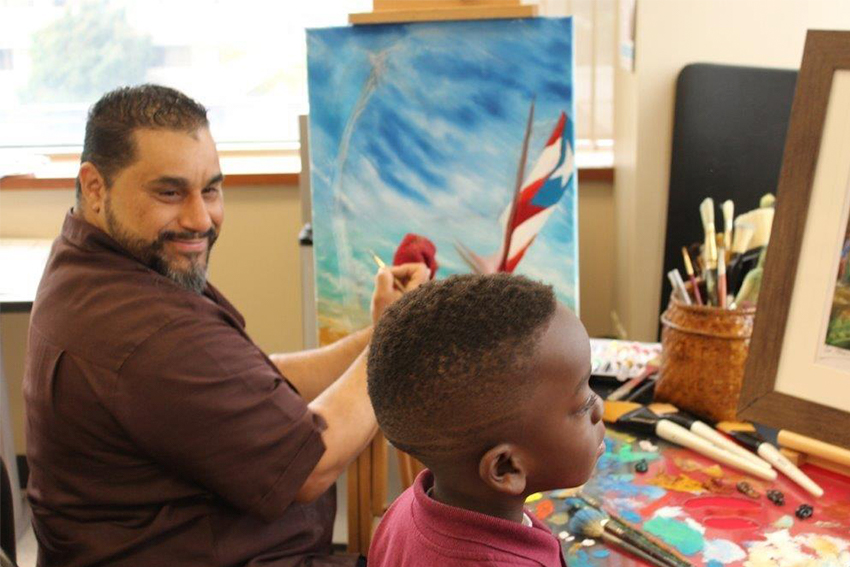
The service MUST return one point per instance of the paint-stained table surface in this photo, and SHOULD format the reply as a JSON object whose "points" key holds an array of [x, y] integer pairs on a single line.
{"points": [[693, 504]]}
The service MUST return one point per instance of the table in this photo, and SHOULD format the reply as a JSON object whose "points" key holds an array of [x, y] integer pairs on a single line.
{"points": [[22, 262], [692, 504]]}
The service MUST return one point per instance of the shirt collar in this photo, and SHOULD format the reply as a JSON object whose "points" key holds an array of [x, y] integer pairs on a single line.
{"points": [[82, 234], [442, 521]]}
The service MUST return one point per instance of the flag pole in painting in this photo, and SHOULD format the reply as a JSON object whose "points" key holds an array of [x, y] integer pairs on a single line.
{"points": [[533, 202]]}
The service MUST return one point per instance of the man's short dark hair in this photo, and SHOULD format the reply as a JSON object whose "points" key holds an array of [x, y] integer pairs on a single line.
{"points": [[111, 121], [450, 361]]}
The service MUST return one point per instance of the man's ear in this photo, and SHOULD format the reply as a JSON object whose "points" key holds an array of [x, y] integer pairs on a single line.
{"points": [[92, 187], [504, 469]]}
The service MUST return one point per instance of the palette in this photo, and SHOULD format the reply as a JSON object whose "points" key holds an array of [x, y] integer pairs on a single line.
{"points": [[693, 505]]}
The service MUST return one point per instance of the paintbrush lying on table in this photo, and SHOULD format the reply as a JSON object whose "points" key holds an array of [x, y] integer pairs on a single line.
{"points": [[594, 523], [643, 420], [635, 535]]}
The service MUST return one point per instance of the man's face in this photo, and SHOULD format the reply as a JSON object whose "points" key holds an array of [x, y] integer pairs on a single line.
{"points": [[167, 207], [565, 431]]}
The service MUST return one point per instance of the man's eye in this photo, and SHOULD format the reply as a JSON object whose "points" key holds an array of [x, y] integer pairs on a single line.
{"points": [[168, 194], [211, 190]]}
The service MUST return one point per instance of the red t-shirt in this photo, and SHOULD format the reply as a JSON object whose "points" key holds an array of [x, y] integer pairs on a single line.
{"points": [[418, 531]]}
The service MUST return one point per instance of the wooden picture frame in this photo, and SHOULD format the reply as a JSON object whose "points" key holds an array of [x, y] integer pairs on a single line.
{"points": [[787, 384]]}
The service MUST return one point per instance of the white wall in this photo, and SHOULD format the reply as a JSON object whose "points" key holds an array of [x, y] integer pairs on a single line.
{"points": [[671, 34]]}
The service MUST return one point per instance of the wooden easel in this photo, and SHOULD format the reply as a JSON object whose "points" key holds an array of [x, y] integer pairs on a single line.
{"points": [[367, 475]]}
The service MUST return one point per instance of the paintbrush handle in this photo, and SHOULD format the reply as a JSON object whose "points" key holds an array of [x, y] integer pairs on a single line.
{"points": [[614, 541], [707, 432], [637, 539], [695, 287], [788, 468], [675, 433]]}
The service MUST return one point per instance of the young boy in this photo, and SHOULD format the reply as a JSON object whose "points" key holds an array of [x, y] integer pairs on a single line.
{"points": [[485, 380]]}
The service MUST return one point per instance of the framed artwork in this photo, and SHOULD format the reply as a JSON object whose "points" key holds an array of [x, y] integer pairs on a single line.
{"points": [[458, 132], [798, 370]]}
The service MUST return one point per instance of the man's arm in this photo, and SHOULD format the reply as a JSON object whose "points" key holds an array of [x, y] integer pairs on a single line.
{"points": [[312, 371], [345, 404]]}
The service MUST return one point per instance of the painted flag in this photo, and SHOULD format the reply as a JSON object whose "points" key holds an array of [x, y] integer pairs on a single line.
{"points": [[542, 189]]}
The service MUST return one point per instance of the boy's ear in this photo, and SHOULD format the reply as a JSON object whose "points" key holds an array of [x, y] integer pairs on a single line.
{"points": [[504, 469]]}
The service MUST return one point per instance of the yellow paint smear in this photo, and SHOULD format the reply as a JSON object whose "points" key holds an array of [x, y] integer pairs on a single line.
{"points": [[679, 483], [713, 471]]}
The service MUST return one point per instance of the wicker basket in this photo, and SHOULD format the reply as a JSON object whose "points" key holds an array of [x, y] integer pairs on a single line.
{"points": [[704, 352]]}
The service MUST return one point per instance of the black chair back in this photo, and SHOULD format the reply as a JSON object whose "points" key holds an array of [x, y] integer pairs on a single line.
{"points": [[728, 138]]}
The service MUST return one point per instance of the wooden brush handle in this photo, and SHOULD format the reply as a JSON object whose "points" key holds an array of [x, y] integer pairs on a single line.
{"points": [[814, 447], [614, 541], [677, 434]]}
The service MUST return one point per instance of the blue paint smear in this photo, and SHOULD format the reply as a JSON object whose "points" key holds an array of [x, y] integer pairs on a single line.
{"points": [[579, 559], [601, 553], [714, 563], [610, 486], [631, 516]]}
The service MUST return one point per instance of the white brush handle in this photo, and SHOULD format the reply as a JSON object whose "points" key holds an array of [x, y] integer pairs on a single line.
{"points": [[707, 432], [789, 469], [677, 434]]}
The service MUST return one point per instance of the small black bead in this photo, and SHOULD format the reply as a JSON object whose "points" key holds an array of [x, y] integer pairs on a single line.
{"points": [[641, 466], [776, 497], [804, 511]]}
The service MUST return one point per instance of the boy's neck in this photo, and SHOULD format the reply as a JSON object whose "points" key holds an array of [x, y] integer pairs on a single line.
{"points": [[499, 506]]}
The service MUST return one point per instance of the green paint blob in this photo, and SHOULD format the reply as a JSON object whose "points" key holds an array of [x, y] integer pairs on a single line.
{"points": [[626, 455], [676, 533]]}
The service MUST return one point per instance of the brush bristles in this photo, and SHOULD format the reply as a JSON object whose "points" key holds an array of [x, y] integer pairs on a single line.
{"points": [[706, 211], [728, 426], [612, 410], [587, 522]]}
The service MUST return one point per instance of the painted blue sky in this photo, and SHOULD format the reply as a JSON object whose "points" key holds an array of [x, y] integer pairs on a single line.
{"points": [[419, 128]]}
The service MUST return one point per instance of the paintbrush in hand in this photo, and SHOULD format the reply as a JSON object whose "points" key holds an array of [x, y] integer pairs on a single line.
{"points": [[592, 523], [396, 282]]}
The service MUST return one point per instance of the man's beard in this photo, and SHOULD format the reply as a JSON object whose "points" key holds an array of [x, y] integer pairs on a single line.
{"points": [[152, 253]]}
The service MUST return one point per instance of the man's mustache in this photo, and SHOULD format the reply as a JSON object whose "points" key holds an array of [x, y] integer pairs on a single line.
{"points": [[210, 235]]}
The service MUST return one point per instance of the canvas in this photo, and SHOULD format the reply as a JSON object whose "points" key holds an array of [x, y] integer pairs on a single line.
{"points": [[460, 132]]}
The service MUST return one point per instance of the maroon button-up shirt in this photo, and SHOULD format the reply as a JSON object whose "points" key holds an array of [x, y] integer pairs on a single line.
{"points": [[158, 433]]}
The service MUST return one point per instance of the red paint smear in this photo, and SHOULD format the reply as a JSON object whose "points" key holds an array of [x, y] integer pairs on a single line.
{"points": [[544, 509], [721, 502], [729, 523]]}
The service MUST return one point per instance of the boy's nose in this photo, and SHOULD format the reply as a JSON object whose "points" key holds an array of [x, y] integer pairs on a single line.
{"points": [[596, 413]]}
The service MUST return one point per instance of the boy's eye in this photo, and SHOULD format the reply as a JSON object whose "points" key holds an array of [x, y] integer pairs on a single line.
{"points": [[591, 401]]}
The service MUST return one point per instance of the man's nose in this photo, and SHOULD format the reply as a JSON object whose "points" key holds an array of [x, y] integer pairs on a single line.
{"points": [[195, 215]]}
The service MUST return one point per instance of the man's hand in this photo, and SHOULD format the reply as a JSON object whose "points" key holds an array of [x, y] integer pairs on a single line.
{"points": [[410, 276]]}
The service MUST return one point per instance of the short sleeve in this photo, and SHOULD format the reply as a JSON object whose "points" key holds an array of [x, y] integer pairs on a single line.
{"points": [[202, 399]]}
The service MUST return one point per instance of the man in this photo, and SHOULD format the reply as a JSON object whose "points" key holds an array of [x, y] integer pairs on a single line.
{"points": [[158, 433]]}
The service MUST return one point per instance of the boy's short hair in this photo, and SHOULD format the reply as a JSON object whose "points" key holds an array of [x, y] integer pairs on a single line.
{"points": [[449, 362]]}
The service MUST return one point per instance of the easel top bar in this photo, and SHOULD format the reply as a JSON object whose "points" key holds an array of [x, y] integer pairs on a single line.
{"points": [[403, 11]]}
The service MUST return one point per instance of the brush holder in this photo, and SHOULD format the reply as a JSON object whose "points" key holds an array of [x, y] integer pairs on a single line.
{"points": [[703, 355]]}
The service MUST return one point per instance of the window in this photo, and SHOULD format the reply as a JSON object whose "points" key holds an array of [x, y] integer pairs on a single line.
{"points": [[243, 59], [5, 59]]}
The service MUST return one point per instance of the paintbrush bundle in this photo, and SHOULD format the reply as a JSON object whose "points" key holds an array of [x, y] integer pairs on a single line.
{"points": [[709, 320], [717, 268]]}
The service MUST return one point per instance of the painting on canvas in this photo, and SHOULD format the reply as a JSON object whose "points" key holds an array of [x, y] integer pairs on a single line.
{"points": [[459, 132]]}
